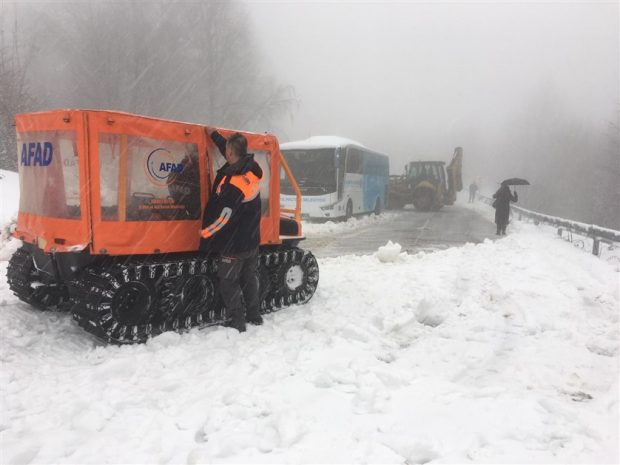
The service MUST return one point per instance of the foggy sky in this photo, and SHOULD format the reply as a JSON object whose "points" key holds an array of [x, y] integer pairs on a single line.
{"points": [[416, 79], [424, 77]]}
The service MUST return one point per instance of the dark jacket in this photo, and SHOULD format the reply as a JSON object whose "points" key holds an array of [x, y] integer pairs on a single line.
{"points": [[231, 221], [503, 197]]}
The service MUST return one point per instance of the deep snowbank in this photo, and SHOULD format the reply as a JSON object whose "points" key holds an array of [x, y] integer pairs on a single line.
{"points": [[505, 351]]}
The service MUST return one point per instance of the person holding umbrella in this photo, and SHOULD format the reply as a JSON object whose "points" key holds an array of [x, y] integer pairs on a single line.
{"points": [[503, 197]]}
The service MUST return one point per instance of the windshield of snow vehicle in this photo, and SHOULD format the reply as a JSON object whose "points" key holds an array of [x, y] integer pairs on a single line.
{"points": [[49, 174], [313, 169]]}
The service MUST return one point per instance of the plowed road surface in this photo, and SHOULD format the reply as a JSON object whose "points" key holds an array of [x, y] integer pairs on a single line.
{"points": [[413, 230]]}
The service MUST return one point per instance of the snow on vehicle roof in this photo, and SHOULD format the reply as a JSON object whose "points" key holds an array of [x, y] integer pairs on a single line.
{"points": [[317, 142]]}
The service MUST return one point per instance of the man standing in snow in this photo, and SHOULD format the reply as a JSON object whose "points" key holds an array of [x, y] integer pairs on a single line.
{"points": [[473, 188], [231, 228], [503, 197]]}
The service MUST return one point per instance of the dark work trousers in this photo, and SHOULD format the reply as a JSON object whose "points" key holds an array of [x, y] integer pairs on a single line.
{"points": [[238, 275]]}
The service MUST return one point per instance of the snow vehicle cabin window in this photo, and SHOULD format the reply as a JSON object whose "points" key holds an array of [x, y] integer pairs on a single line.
{"points": [[49, 174], [145, 179], [314, 171], [263, 159]]}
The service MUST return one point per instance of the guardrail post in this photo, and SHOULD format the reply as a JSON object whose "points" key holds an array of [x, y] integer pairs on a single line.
{"points": [[596, 246]]}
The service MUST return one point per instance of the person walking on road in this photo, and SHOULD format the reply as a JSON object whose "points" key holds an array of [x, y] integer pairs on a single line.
{"points": [[503, 197], [231, 229], [473, 188]]}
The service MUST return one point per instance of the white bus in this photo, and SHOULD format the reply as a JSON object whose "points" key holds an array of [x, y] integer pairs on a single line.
{"points": [[338, 177]]}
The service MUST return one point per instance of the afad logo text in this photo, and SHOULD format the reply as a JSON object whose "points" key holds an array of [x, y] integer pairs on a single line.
{"points": [[37, 154], [160, 165]]}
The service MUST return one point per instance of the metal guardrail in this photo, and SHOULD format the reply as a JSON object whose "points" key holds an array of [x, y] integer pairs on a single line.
{"points": [[598, 234]]}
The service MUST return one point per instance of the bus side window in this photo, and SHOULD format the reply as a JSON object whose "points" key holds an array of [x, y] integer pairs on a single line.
{"points": [[367, 163], [354, 160]]}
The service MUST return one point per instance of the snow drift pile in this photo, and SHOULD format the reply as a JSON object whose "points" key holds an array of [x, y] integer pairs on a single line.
{"points": [[389, 252]]}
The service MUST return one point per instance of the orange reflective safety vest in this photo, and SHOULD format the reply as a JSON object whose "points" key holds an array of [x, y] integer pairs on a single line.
{"points": [[248, 184], [231, 222]]}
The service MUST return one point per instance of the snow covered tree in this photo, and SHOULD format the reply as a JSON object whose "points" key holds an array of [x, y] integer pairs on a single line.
{"points": [[192, 61], [15, 95], [573, 164]]}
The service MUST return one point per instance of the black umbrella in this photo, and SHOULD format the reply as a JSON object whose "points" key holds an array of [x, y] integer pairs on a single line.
{"points": [[516, 182]]}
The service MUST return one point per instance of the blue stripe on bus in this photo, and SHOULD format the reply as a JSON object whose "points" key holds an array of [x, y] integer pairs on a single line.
{"points": [[373, 187]]}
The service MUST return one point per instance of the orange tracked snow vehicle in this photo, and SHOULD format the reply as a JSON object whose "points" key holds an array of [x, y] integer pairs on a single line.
{"points": [[110, 208]]}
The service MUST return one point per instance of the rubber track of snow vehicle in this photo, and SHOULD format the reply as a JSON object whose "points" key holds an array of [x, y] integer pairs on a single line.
{"points": [[277, 265], [25, 281], [129, 300]]}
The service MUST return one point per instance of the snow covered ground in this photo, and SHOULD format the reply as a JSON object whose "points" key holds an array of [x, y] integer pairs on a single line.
{"points": [[505, 351]]}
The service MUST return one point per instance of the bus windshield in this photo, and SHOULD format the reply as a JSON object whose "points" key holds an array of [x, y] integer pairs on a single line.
{"points": [[314, 170]]}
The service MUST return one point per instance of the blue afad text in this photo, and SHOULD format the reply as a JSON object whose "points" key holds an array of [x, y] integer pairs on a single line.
{"points": [[37, 154], [171, 167]]}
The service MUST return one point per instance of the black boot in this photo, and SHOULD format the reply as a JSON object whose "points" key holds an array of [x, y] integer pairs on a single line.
{"points": [[239, 326], [236, 320], [254, 320]]}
